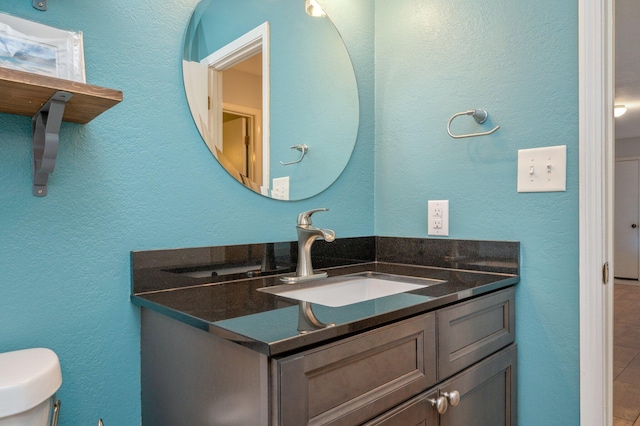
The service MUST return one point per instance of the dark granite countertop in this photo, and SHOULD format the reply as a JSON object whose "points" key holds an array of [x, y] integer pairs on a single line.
{"points": [[237, 311]]}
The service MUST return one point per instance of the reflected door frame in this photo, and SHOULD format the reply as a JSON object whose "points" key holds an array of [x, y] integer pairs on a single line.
{"points": [[249, 44], [256, 164]]}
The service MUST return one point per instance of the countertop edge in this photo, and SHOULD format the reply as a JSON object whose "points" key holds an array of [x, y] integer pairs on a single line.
{"points": [[325, 335], [171, 313]]}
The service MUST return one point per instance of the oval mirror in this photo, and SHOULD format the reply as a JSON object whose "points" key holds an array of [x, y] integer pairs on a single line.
{"points": [[273, 94]]}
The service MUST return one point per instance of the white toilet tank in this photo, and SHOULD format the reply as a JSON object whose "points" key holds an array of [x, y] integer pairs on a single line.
{"points": [[29, 379]]}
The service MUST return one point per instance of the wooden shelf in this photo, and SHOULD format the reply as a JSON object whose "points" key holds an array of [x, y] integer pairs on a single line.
{"points": [[47, 101], [25, 93]]}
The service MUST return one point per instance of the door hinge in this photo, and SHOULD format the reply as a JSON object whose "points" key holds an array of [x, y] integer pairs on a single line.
{"points": [[605, 273], [208, 102]]}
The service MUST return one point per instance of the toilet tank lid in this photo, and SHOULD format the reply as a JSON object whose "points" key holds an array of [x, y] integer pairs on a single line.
{"points": [[27, 378]]}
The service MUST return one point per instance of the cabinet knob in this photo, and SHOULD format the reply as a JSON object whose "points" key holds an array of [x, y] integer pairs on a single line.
{"points": [[440, 404], [453, 397], [634, 226]]}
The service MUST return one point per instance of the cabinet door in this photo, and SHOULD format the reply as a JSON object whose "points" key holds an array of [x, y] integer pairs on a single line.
{"points": [[487, 393], [356, 379], [418, 411], [470, 331]]}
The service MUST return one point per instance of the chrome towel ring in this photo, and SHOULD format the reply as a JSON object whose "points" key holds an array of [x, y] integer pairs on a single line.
{"points": [[302, 148], [480, 115]]}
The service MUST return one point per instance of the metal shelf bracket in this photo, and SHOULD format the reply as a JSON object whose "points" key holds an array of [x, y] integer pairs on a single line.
{"points": [[46, 128]]}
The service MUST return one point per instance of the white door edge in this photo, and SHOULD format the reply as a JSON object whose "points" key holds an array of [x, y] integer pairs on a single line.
{"points": [[596, 163]]}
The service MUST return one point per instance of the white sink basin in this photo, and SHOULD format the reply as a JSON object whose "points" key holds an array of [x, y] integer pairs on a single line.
{"points": [[348, 289]]}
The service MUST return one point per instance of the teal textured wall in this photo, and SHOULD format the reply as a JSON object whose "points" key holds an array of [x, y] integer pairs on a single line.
{"points": [[138, 177], [517, 60]]}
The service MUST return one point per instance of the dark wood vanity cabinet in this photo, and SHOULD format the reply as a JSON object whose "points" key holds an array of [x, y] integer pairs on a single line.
{"points": [[392, 375], [349, 382]]}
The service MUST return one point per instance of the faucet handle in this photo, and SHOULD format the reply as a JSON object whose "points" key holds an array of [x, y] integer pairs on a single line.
{"points": [[304, 218]]}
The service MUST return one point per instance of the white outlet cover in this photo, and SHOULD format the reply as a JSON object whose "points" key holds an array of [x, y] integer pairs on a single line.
{"points": [[438, 224], [280, 189], [542, 169]]}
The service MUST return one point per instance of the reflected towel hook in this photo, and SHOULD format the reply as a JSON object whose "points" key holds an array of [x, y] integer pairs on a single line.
{"points": [[302, 148], [40, 4], [480, 115]]}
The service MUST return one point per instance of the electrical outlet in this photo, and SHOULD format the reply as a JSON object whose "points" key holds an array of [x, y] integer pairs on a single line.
{"points": [[438, 217], [280, 189]]}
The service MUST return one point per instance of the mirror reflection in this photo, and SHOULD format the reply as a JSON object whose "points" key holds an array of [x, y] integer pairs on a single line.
{"points": [[263, 80]]}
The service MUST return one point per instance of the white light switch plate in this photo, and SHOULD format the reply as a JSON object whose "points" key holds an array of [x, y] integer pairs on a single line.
{"points": [[438, 217], [542, 169]]}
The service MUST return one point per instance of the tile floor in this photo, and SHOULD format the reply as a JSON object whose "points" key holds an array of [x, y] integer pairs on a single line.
{"points": [[626, 354]]}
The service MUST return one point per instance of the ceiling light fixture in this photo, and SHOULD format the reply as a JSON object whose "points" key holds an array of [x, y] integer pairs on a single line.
{"points": [[314, 9], [619, 110]]}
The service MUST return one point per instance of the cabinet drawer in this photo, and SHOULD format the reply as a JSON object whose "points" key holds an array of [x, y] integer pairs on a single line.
{"points": [[351, 381], [470, 331]]}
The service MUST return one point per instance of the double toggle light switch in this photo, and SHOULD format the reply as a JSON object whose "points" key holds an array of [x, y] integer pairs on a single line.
{"points": [[542, 169]]}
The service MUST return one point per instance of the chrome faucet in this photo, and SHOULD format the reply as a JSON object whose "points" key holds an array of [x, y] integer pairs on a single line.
{"points": [[307, 234]]}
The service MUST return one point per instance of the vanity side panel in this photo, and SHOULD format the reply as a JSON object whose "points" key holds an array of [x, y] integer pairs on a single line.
{"points": [[191, 377], [351, 381]]}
